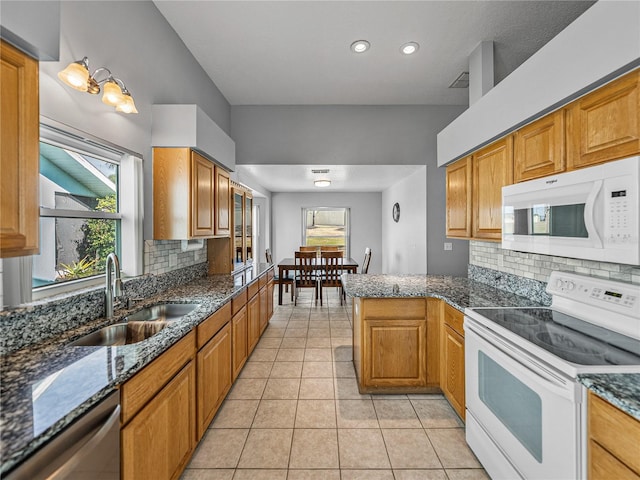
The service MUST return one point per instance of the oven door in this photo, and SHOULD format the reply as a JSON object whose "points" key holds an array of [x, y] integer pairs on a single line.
{"points": [[529, 414]]}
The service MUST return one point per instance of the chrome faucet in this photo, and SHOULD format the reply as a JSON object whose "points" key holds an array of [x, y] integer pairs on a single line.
{"points": [[113, 289]]}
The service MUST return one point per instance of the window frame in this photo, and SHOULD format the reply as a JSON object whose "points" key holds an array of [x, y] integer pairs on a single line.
{"points": [[130, 201], [347, 228]]}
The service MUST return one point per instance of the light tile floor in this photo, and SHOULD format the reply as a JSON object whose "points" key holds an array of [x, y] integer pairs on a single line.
{"points": [[295, 413]]}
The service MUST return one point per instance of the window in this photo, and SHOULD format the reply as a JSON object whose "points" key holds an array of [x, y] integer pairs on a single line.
{"points": [[79, 214], [326, 226], [91, 201]]}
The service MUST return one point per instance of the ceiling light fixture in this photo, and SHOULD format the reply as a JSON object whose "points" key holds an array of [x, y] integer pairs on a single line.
{"points": [[115, 93], [322, 183], [409, 48], [360, 46]]}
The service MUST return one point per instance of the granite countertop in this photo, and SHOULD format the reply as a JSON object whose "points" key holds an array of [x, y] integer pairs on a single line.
{"points": [[622, 390], [619, 389], [47, 386], [458, 292]]}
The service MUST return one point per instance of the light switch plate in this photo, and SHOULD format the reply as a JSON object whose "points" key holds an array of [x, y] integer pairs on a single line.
{"points": [[448, 246]]}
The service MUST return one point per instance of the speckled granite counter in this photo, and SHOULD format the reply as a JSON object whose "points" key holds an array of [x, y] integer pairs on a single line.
{"points": [[622, 390], [619, 389], [458, 292], [47, 386]]}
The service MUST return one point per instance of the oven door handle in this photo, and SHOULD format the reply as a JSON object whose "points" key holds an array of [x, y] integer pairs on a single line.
{"points": [[531, 369]]}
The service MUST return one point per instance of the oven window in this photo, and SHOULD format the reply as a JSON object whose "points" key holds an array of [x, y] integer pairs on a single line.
{"points": [[553, 221], [517, 406]]}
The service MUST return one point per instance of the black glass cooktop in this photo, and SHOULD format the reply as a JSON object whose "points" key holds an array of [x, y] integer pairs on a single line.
{"points": [[567, 337]]}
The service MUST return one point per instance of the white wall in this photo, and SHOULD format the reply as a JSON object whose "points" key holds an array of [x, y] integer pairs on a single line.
{"points": [[352, 135], [601, 41], [404, 244], [366, 227]]}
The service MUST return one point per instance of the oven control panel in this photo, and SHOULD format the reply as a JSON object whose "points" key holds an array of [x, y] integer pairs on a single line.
{"points": [[603, 293]]}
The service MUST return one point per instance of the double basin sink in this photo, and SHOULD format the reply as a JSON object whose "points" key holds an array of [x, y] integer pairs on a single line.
{"points": [[138, 326]]}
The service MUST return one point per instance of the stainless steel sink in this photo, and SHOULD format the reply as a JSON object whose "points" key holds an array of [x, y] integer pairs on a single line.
{"points": [[167, 312], [120, 334]]}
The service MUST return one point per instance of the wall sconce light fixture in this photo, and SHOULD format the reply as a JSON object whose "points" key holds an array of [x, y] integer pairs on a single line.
{"points": [[115, 92]]}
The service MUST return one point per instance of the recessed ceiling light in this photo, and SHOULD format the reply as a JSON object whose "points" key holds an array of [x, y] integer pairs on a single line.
{"points": [[409, 48], [322, 183], [360, 46]]}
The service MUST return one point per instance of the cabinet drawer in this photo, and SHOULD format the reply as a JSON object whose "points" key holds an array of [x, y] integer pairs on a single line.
{"points": [[252, 289], [604, 466], [396, 308], [144, 385], [262, 280], [239, 301], [213, 324], [270, 274], [616, 431], [454, 318]]}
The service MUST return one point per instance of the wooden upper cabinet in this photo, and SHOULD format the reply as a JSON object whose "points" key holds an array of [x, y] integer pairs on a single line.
{"points": [[183, 195], [492, 170], [459, 198], [539, 148], [202, 196], [19, 153], [223, 200], [605, 125]]}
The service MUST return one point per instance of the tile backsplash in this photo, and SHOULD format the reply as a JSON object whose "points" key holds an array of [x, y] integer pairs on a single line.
{"points": [[162, 256], [539, 267]]}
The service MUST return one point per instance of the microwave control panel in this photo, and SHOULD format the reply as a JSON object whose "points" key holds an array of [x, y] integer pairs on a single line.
{"points": [[621, 201]]}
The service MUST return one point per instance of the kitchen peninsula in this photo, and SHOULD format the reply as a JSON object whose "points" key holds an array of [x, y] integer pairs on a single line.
{"points": [[407, 330]]}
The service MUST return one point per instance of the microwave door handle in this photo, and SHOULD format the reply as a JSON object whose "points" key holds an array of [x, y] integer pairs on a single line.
{"points": [[589, 214]]}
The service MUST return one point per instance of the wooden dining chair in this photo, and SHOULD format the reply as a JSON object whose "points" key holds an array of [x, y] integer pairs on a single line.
{"points": [[305, 275], [366, 261], [331, 271], [287, 278], [308, 248], [329, 248]]}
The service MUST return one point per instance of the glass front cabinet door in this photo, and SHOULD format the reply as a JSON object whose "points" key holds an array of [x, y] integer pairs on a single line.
{"points": [[242, 253]]}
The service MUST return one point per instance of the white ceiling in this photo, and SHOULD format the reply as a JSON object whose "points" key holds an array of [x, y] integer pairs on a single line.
{"points": [[344, 178], [297, 52]]}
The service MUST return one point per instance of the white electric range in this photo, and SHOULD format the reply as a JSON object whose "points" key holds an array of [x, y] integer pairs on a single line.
{"points": [[525, 408]]}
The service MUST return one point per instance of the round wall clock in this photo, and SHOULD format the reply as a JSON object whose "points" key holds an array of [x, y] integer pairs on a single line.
{"points": [[396, 212]]}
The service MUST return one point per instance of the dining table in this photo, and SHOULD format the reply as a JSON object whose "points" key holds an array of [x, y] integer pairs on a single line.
{"points": [[286, 265]]}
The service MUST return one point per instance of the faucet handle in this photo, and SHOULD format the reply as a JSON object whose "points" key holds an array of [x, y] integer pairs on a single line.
{"points": [[117, 288]]}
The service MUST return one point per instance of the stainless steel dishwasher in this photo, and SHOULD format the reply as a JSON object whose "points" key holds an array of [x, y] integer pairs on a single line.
{"points": [[87, 449]]}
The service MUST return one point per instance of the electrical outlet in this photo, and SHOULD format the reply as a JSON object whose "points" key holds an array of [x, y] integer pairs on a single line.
{"points": [[173, 260], [448, 246]]}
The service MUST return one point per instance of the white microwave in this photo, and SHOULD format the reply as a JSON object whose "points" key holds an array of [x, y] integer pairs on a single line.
{"points": [[592, 213]]}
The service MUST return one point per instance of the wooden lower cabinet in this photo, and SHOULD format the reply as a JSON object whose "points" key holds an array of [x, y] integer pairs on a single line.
{"points": [[264, 308], [158, 442], [270, 290], [253, 320], [214, 376], [390, 343], [239, 328], [452, 359], [614, 442]]}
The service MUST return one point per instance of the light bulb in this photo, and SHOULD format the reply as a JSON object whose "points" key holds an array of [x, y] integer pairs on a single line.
{"points": [[128, 106], [112, 94], [76, 76]]}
